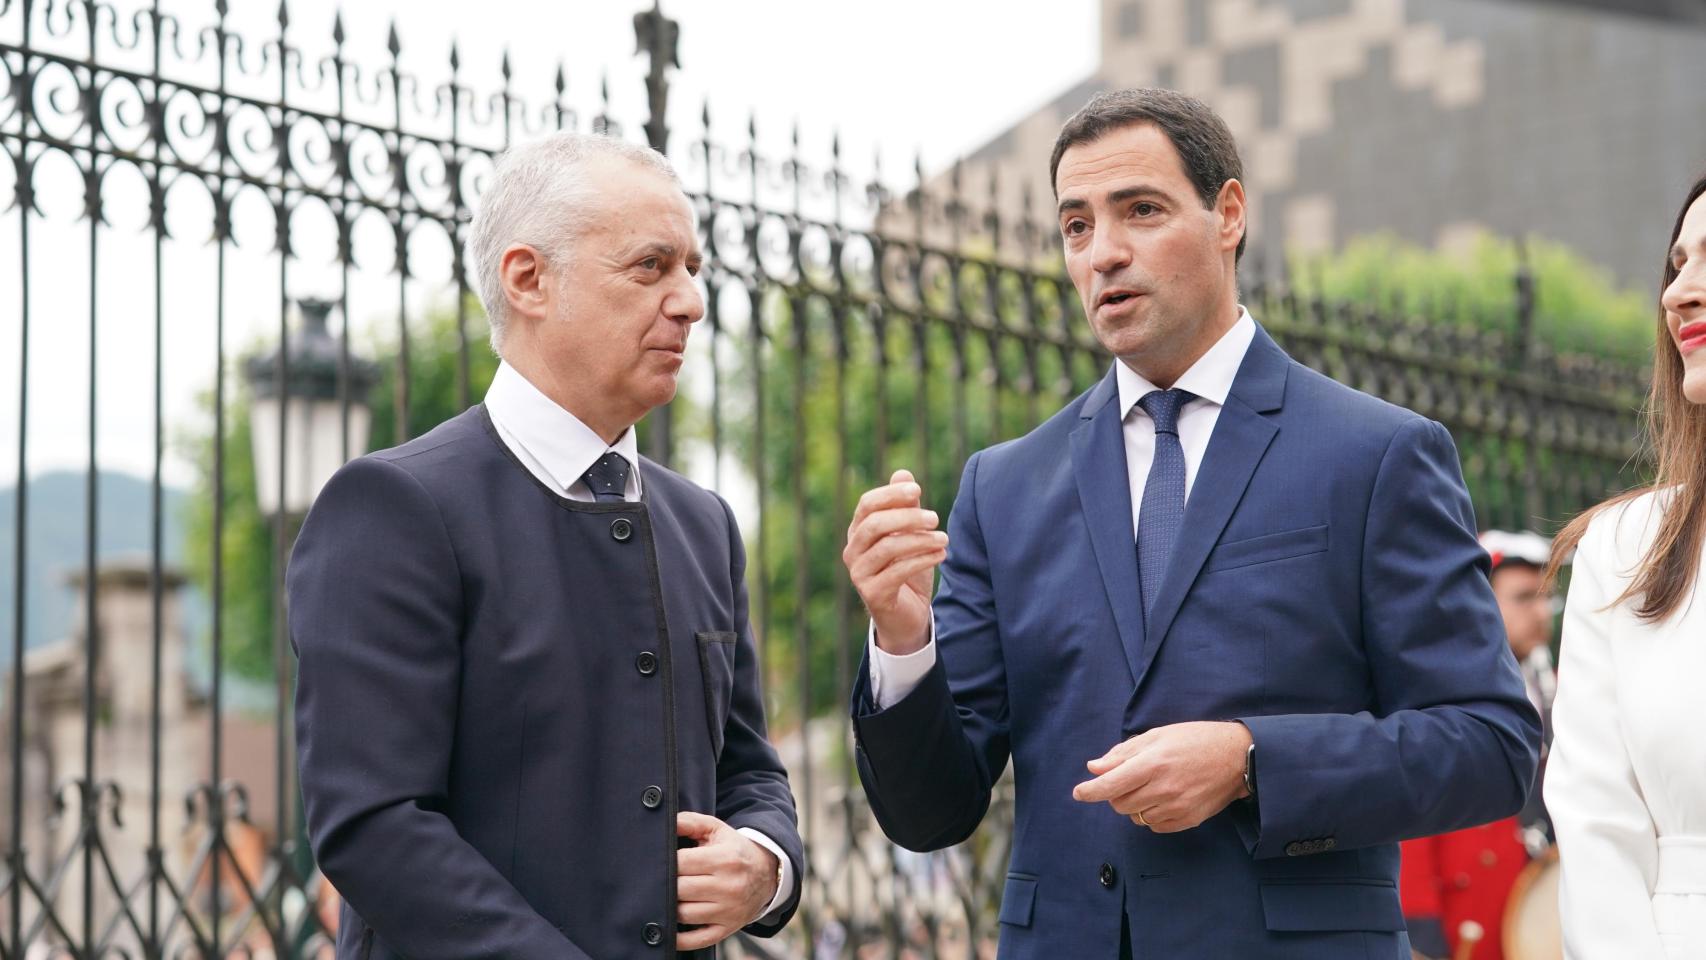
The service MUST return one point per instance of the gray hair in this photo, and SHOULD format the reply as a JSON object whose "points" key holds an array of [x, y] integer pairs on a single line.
{"points": [[539, 195]]}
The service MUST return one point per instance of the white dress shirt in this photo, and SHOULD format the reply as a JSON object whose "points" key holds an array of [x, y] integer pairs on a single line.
{"points": [[555, 446], [552, 443], [1209, 380]]}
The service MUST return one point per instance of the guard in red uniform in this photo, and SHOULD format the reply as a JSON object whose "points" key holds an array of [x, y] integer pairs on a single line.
{"points": [[1467, 875]]}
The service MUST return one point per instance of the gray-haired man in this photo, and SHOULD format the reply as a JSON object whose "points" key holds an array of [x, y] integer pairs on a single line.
{"points": [[529, 708]]}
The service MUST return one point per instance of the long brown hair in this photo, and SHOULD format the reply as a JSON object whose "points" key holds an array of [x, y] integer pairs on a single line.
{"points": [[1665, 578]]}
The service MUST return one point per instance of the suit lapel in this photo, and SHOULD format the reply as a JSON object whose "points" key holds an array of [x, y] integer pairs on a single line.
{"points": [[1104, 492], [1241, 438]]}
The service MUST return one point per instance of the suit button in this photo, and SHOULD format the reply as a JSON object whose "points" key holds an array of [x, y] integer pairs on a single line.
{"points": [[646, 663], [651, 797], [1109, 876], [1294, 849], [1329, 843], [621, 529], [652, 934]]}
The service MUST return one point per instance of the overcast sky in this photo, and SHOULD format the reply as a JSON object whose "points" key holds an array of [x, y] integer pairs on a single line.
{"points": [[898, 76]]}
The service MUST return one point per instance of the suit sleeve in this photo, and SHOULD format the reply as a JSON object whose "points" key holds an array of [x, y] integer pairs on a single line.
{"points": [[752, 784], [1453, 740], [929, 762], [1606, 837], [375, 617]]}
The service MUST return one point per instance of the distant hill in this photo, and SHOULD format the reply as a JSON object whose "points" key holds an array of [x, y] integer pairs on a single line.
{"points": [[55, 545]]}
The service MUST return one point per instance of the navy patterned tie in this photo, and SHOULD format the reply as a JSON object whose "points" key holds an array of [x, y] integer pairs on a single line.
{"points": [[1163, 508], [608, 478]]}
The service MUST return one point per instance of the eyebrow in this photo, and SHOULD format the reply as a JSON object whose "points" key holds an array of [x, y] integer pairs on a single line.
{"points": [[1118, 196], [657, 250], [1132, 193], [668, 251]]}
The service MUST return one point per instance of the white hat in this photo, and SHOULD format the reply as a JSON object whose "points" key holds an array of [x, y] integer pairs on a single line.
{"points": [[1524, 547]]}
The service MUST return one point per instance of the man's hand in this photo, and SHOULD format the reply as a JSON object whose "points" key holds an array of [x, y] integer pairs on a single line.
{"points": [[722, 884], [1171, 778], [893, 548]]}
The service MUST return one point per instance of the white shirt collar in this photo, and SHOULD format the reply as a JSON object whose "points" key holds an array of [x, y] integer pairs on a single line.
{"points": [[557, 439], [1210, 378]]}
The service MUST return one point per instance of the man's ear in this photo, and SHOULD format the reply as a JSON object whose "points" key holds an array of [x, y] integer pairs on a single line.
{"points": [[1231, 208], [521, 273]]}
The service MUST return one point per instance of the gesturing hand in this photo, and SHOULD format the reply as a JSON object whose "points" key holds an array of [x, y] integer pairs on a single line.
{"points": [[892, 551], [722, 884], [1171, 778]]}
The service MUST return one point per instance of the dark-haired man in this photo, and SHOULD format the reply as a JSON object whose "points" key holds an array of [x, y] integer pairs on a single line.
{"points": [[1228, 617]]}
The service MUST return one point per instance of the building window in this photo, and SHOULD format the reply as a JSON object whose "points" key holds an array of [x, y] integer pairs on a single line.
{"points": [[1131, 18], [1196, 23]]}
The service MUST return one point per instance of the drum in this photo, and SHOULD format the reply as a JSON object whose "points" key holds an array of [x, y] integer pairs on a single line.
{"points": [[1531, 926]]}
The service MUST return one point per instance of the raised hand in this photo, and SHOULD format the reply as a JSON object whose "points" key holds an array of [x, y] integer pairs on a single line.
{"points": [[893, 549]]}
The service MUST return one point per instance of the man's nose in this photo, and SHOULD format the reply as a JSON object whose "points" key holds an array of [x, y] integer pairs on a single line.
{"points": [[685, 304], [1109, 249]]}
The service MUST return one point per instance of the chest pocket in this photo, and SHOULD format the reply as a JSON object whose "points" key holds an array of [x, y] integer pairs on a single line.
{"points": [[717, 670], [1266, 549]]}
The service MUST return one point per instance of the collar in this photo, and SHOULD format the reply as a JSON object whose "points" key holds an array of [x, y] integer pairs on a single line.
{"points": [[1210, 378], [553, 436]]}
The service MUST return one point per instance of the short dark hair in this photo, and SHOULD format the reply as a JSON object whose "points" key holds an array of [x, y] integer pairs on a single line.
{"points": [[1205, 145]]}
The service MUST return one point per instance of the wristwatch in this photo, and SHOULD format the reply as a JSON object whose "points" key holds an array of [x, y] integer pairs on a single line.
{"points": [[1250, 772]]}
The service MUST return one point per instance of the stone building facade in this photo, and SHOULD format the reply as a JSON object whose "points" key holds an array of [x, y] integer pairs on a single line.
{"points": [[52, 750], [1574, 120]]}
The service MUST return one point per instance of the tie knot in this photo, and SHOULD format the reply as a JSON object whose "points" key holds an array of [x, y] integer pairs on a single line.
{"points": [[608, 478], [1163, 407]]}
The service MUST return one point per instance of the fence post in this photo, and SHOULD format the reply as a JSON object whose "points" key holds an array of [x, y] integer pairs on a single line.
{"points": [[1524, 305], [657, 36]]}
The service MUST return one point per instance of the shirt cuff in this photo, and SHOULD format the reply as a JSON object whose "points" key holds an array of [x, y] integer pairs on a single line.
{"points": [[893, 677], [785, 888]]}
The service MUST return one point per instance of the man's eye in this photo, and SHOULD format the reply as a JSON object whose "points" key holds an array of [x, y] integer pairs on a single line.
{"points": [[693, 269], [1076, 227], [650, 263], [1144, 209]]}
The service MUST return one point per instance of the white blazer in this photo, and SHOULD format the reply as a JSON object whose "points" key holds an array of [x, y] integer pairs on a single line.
{"points": [[1626, 785]]}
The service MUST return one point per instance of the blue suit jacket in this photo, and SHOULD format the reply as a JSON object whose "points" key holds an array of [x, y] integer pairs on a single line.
{"points": [[506, 696], [1326, 589]]}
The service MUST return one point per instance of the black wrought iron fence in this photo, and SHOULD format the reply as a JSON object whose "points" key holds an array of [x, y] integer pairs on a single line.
{"points": [[850, 331]]}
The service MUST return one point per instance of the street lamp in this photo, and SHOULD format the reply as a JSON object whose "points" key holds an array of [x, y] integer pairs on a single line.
{"points": [[322, 427], [314, 443]]}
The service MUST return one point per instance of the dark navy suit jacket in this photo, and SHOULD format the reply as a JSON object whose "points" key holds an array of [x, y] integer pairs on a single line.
{"points": [[1327, 589], [505, 696]]}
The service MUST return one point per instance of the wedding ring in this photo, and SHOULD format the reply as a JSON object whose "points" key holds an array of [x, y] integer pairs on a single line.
{"points": [[1140, 818]]}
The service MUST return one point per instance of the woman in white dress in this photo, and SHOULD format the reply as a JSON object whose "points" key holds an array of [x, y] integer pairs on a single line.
{"points": [[1626, 785]]}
